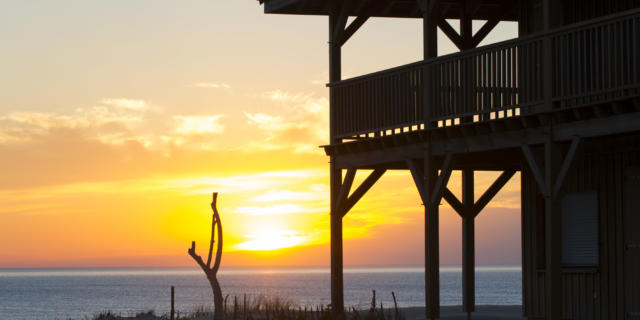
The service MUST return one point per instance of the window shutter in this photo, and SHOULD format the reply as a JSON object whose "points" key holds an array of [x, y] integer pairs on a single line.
{"points": [[580, 229]]}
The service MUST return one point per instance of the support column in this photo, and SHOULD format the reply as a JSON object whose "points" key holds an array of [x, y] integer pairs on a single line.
{"points": [[429, 30], [335, 59], [468, 243], [431, 219], [432, 241], [430, 50], [553, 214], [553, 231]]}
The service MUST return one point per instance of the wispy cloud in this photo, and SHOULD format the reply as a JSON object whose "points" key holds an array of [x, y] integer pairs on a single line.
{"points": [[132, 104], [265, 121], [300, 126], [188, 125], [211, 85], [284, 96]]}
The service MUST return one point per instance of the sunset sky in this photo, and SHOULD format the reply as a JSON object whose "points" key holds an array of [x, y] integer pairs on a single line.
{"points": [[119, 118]]}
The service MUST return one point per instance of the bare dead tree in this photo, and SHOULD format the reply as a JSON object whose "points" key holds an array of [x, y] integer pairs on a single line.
{"points": [[212, 271]]}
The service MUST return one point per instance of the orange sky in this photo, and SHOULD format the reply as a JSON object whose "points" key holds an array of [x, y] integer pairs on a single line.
{"points": [[118, 119]]}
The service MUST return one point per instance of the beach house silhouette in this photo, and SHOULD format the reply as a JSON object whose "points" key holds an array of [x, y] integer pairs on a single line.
{"points": [[560, 104]]}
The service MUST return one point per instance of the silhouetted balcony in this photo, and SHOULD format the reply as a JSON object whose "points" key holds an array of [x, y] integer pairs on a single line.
{"points": [[593, 62]]}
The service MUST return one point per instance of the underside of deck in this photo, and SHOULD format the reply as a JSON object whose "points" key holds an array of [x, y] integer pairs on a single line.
{"points": [[485, 9]]}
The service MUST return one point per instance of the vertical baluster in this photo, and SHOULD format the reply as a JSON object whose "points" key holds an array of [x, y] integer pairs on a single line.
{"points": [[609, 58], [593, 63], [585, 67], [393, 99], [514, 75], [503, 78], [509, 64], [359, 119], [455, 77], [445, 88], [566, 73], [627, 45], [493, 78], [539, 71]]}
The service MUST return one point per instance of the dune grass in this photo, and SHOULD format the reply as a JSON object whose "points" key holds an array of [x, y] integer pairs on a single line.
{"points": [[263, 307]]}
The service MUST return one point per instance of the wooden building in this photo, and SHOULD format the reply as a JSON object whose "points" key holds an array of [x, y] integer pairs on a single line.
{"points": [[560, 104]]}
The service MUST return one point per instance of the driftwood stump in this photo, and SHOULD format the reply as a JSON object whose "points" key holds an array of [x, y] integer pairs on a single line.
{"points": [[209, 270]]}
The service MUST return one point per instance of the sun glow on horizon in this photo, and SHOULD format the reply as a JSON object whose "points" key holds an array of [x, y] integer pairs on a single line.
{"points": [[272, 240]]}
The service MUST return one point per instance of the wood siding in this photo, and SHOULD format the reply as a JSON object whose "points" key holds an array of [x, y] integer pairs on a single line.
{"points": [[589, 293]]}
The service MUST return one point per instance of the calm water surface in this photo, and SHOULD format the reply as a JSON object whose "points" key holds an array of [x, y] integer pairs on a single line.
{"points": [[77, 293]]}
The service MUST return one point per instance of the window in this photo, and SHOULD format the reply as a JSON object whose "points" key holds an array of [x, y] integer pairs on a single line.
{"points": [[580, 229]]}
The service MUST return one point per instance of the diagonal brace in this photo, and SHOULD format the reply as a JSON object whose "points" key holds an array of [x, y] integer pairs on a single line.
{"points": [[454, 202], [564, 168], [361, 190], [492, 191], [352, 28], [345, 188], [443, 179], [417, 173], [482, 202], [566, 164]]}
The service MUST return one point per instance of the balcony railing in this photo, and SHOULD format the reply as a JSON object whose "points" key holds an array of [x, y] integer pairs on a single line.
{"points": [[591, 62]]}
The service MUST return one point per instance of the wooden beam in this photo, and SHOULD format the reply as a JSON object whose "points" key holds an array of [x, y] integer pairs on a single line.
{"points": [[492, 191], [361, 190], [352, 28], [454, 202], [535, 170], [566, 165], [443, 179]]}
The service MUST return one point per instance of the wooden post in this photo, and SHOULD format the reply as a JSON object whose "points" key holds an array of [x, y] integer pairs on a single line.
{"points": [[432, 241], [468, 242], [173, 310], [430, 50], [553, 231], [337, 295]]}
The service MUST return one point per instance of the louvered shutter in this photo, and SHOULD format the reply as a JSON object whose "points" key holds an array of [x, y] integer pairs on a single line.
{"points": [[580, 229]]}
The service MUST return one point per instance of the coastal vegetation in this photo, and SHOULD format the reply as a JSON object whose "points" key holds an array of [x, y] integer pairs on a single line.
{"points": [[263, 307]]}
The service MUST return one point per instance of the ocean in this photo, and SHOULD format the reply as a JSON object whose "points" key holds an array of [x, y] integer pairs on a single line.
{"points": [[79, 293]]}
